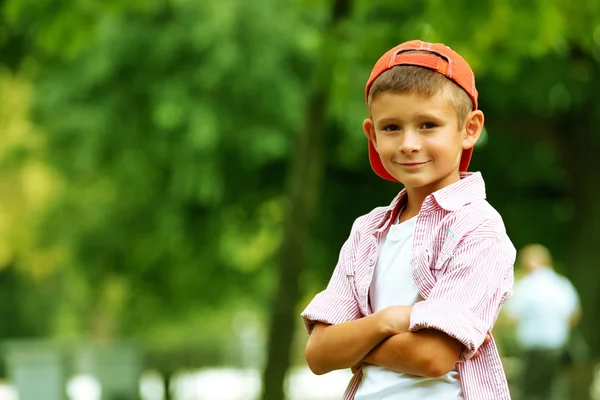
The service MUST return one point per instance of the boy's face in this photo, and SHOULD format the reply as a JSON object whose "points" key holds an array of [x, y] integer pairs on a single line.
{"points": [[419, 139]]}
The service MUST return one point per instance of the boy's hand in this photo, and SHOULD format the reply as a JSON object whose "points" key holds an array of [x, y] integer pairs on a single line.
{"points": [[488, 338], [396, 319]]}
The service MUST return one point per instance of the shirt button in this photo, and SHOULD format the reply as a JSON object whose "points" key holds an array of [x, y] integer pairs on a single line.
{"points": [[371, 262]]}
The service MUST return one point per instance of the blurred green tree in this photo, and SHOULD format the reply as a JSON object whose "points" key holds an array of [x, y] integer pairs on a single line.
{"points": [[170, 125]]}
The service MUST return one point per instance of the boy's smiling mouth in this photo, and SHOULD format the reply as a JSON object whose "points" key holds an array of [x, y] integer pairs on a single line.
{"points": [[411, 165]]}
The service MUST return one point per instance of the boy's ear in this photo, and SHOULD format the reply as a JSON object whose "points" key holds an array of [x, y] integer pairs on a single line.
{"points": [[473, 128], [369, 130]]}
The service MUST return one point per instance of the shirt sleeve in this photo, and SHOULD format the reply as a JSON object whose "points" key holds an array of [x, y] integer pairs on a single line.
{"points": [[465, 301], [337, 303], [514, 306]]}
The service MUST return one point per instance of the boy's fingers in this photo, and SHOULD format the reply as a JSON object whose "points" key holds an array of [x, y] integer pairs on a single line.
{"points": [[488, 338]]}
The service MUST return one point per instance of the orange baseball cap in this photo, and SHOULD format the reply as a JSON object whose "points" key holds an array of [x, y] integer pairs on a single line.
{"points": [[437, 57]]}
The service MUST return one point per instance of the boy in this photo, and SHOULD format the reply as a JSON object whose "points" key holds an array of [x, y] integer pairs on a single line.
{"points": [[420, 283]]}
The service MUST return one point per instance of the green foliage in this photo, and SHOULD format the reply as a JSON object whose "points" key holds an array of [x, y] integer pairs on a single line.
{"points": [[170, 125], [164, 125]]}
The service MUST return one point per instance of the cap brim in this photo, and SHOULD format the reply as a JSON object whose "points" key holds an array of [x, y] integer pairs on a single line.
{"points": [[465, 159], [378, 168]]}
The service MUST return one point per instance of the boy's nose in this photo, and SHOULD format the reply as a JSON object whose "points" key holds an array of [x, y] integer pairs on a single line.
{"points": [[410, 142]]}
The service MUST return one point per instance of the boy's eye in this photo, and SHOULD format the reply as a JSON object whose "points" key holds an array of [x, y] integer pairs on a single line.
{"points": [[428, 125], [391, 128]]}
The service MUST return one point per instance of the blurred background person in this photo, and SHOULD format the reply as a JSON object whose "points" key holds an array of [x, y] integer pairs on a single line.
{"points": [[544, 308]]}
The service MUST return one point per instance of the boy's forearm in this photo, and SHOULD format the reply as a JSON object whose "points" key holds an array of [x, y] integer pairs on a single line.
{"points": [[423, 353], [332, 347]]}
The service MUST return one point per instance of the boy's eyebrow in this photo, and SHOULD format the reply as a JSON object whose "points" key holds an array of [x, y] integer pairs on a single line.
{"points": [[424, 115]]}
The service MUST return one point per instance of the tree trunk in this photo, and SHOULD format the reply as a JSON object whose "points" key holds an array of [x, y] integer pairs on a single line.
{"points": [[167, 379], [303, 187]]}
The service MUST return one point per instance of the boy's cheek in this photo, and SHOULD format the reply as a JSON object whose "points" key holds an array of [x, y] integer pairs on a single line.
{"points": [[385, 145]]}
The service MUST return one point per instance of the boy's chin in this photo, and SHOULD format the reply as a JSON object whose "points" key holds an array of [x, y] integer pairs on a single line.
{"points": [[416, 181]]}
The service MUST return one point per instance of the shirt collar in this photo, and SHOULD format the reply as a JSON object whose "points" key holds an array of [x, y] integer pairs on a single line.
{"points": [[470, 187], [391, 212]]}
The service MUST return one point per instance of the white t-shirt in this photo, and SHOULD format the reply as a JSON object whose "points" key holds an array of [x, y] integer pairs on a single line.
{"points": [[393, 284], [542, 303]]}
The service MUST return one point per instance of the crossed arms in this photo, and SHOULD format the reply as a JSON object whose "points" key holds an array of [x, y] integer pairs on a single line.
{"points": [[382, 339], [426, 339]]}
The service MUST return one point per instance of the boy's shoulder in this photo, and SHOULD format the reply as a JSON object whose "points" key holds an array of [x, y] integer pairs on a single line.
{"points": [[483, 215], [371, 220], [479, 213], [476, 220], [466, 208]]}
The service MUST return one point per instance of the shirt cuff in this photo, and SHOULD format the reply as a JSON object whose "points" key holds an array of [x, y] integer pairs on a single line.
{"points": [[329, 309], [452, 319]]}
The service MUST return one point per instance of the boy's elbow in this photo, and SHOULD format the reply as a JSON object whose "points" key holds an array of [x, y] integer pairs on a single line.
{"points": [[313, 359], [439, 353], [317, 370], [436, 367]]}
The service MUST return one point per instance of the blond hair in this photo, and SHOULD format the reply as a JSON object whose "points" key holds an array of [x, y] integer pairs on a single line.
{"points": [[535, 254]]}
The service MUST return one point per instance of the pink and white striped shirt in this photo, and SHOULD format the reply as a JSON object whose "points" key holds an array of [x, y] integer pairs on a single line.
{"points": [[462, 264]]}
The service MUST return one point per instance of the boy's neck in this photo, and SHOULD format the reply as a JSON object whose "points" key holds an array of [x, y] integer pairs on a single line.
{"points": [[411, 208]]}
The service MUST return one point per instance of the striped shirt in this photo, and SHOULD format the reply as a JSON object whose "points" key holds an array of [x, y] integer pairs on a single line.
{"points": [[462, 264]]}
